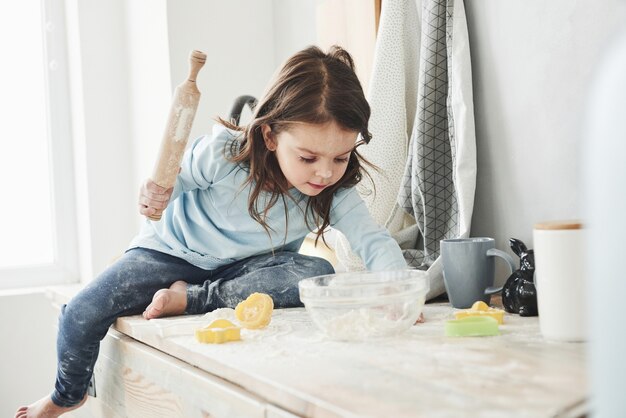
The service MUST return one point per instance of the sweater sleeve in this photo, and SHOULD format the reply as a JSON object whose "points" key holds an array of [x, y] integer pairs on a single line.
{"points": [[204, 162], [370, 241]]}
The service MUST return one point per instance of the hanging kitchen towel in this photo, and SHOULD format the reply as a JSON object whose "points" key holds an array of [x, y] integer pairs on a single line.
{"points": [[393, 89], [421, 84]]}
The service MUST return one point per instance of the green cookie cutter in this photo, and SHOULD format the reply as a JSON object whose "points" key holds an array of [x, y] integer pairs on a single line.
{"points": [[472, 326]]}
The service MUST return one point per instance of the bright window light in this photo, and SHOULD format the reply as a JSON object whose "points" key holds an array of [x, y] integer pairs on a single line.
{"points": [[26, 218]]}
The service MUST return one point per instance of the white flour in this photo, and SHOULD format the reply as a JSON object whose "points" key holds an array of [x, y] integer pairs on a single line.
{"points": [[221, 313]]}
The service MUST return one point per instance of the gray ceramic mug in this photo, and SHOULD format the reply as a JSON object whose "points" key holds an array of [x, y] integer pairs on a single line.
{"points": [[469, 268]]}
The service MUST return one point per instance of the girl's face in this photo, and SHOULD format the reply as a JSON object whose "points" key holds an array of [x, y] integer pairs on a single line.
{"points": [[312, 157]]}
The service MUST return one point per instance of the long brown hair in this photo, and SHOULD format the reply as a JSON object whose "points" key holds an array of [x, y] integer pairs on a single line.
{"points": [[311, 87]]}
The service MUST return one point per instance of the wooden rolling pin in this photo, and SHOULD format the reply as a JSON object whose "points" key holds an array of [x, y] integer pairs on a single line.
{"points": [[182, 111]]}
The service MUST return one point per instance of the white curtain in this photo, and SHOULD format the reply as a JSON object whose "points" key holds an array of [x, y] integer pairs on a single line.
{"points": [[423, 132]]}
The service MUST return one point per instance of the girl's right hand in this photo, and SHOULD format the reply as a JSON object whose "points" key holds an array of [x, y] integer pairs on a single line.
{"points": [[153, 198]]}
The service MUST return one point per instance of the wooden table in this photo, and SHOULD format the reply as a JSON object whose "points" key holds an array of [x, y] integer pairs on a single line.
{"points": [[157, 369]]}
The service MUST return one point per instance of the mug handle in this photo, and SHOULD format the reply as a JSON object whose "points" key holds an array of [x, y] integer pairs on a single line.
{"points": [[494, 252]]}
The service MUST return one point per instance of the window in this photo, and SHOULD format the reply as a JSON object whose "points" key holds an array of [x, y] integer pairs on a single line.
{"points": [[37, 222]]}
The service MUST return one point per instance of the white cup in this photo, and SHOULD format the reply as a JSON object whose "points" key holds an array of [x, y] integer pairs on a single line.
{"points": [[560, 280]]}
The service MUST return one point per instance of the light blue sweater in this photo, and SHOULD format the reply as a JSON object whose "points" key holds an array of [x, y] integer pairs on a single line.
{"points": [[207, 222]]}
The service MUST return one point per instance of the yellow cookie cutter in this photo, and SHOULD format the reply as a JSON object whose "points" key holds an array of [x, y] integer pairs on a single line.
{"points": [[256, 311], [218, 332], [480, 308]]}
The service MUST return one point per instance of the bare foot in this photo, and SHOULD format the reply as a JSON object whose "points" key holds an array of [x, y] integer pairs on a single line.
{"points": [[45, 408], [167, 302]]}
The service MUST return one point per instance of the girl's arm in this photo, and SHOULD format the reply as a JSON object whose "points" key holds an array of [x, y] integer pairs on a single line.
{"points": [[203, 163], [370, 241]]}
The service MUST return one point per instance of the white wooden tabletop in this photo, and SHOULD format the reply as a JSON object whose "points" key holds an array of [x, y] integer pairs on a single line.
{"points": [[420, 373]]}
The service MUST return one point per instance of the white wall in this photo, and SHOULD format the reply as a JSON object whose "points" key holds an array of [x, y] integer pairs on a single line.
{"points": [[27, 348], [149, 88], [532, 62], [294, 27], [101, 129]]}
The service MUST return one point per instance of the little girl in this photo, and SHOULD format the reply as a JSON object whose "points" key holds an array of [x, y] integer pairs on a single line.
{"points": [[243, 202]]}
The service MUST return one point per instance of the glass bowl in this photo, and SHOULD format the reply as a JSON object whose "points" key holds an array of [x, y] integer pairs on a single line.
{"points": [[363, 305]]}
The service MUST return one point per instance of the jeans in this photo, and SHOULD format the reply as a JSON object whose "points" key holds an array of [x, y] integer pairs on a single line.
{"points": [[127, 287]]}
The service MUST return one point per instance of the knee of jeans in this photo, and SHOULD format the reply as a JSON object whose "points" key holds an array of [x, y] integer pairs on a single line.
{"points": [[79, 319], [320, 266], [74, 314]]}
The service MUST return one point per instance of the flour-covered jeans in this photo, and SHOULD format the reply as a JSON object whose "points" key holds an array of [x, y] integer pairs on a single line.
{"points": [[127, 287]]}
